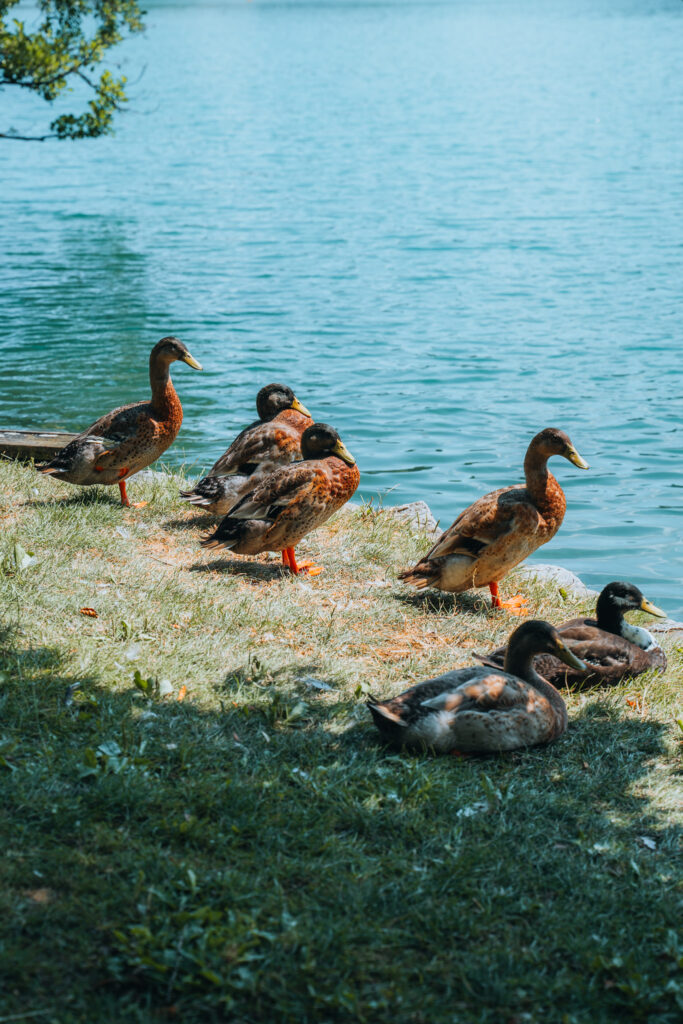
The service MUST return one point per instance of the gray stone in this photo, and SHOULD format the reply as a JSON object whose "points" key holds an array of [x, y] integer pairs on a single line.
{"points": [[558, 575], [416, 514], [665, 626], [151, 474]]}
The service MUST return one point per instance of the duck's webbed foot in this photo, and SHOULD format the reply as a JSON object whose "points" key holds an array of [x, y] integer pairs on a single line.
{"points": [[515, 605], [289, 559]]}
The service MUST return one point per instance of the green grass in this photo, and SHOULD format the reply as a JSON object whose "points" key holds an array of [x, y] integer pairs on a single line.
{"points": [[251, 853]]}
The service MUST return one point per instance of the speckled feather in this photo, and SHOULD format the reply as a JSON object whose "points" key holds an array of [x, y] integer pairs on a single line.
{"points": [[254, 454], [286, 506], [129, 438], [500, 529], [478, 710]]}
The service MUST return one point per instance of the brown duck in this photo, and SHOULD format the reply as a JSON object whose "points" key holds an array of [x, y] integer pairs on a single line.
{"points": [[292, 501], [611, 647], [501, 529], [478, 710], [274, 440], [129, 438]]}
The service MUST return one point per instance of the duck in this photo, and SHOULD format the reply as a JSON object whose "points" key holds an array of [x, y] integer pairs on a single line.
{"points": [[292, 501], [131, 437], [477, 710], [500, 529], [273, 440], [611, 648]]}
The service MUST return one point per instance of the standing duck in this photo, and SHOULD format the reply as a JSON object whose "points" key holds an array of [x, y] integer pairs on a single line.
{"points": [[292, 501], [501, 529], [611, 647], [274, 440], [482, 711], [129, 438]]}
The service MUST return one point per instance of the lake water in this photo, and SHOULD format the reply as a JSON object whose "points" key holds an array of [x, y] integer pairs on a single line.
{"points": [[446, 225]]}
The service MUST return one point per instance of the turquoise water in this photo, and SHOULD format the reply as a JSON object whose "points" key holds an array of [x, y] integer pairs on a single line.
{"points": [[445, 225]]}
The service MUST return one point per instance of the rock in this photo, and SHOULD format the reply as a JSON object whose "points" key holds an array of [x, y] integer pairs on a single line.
{"points": [[151, 475], [416, 514], [665, 626], [556, 574]]}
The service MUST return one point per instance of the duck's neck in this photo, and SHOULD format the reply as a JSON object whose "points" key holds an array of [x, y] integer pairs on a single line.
{"points": [[546, 493], [165, 401], [520, 663], [609, 616]]}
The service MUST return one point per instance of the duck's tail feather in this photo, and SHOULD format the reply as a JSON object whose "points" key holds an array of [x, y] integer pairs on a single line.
{"points": [[492, 660], [420, 576]]}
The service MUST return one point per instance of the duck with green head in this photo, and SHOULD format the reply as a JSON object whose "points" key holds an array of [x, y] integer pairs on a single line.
{"points": [[611, 648]]}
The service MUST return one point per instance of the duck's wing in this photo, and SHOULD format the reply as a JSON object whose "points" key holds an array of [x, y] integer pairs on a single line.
{"points": [[473, 709], [126, 430], [257, 447], [487, 522], [575, 630], [483, 691], [121, 424], [286, 486], [609, 659], [496, 711]]}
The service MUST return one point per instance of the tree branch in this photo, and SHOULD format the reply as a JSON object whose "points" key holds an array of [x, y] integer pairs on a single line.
{"points": [[27, 138]]}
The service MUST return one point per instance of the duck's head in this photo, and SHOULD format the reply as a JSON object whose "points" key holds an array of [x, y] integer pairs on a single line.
{"points": [[537, 637], [275, 398], [625, 597], [322, 440], [552, 441], [169, 350]]}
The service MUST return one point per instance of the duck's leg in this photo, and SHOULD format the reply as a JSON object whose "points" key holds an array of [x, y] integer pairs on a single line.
{"points": [[124, 496], [122, 487], [309, 567], [515, 606]]}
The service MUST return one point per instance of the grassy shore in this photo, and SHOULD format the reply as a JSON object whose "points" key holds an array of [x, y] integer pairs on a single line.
{"points": [[199, 824]]}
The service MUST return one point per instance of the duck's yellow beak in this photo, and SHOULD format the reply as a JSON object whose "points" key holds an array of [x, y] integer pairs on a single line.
{"points": [[191, 361], [343, 453], [573, 456], [564, 654], [652, 609], [298, 407]]}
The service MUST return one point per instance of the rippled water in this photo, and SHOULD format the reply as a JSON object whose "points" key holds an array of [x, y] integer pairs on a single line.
{"points": [[445, 225]]}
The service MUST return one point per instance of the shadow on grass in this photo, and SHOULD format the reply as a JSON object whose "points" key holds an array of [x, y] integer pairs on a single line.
{"points": [[243, 862], [439, 601], [256, 572], [204, 521], [92, 495]]}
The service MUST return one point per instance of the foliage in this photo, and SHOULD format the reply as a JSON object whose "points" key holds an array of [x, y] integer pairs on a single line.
{"points": [[199, 824], [65, 48]]}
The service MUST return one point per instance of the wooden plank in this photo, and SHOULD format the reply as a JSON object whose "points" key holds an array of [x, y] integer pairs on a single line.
{"points": [[33, 444]]}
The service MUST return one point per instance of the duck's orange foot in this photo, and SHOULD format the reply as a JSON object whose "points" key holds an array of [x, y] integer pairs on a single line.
{"points": [[138, 504], [289, 560], [516, 605], [310, 567]]}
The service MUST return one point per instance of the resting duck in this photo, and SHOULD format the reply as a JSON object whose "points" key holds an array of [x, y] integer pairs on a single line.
{"points": [[292, 501], [611, 647], [482, 711], [273, 440], [129, 438], [501, 529]]}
